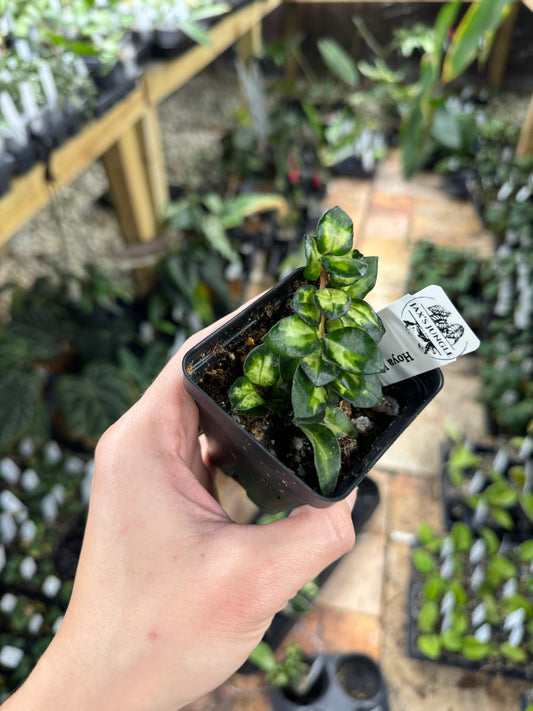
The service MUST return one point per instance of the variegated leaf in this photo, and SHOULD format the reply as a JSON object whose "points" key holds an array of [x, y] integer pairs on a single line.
{"points": [[359, 390], [364, 316], [313, 267], [292, 337], [318, 370], [261, 366], [303, 304], [308, 401], [334, 232], [332, 302], [353, 350], [244, 397], [327, 456]]}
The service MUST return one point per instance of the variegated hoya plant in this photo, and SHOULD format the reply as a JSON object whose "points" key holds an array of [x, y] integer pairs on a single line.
{"points": [[325, 353]]}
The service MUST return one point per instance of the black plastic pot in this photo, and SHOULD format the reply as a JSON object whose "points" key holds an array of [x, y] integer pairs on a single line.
{"points": [[168, 43], [352, 167], [344, 682], [6, 170], [23, 155], [270, 484]]}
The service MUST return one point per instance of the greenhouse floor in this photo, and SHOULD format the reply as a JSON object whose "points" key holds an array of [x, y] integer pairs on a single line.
{"points": [[363, 605]]}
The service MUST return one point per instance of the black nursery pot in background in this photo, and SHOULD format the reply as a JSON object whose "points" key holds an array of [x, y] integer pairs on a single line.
{"points": [[270, 484], [344, 682]]}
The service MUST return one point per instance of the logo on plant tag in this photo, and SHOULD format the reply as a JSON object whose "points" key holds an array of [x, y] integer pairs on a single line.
{"points": [[438, 332], [422, 331]]}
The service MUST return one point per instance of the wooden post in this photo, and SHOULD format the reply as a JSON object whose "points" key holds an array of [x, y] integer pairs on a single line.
{"points": [[150, 146], [525, 142], [500, 49]]}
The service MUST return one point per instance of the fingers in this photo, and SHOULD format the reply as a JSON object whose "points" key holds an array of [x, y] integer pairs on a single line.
{"points": [[291, 552]]}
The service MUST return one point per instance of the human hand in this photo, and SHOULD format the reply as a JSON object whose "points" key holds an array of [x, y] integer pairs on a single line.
{"points": [[170, 595]]}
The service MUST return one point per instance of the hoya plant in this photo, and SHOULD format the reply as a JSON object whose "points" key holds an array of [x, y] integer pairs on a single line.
{"points": [[323, 354]]}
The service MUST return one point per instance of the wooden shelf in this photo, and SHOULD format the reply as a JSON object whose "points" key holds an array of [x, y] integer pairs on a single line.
{"points": [[127, 138]]}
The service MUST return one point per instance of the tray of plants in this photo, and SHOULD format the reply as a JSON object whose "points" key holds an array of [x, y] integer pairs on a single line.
{"points": [[288, 389], [469, 601]]}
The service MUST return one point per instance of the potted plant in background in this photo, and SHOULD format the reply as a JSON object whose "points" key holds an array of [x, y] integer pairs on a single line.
{"points": [[343, 681], [316, 371]]}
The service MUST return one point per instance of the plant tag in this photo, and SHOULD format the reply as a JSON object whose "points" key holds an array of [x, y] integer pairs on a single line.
{"points": [[422, 331]]}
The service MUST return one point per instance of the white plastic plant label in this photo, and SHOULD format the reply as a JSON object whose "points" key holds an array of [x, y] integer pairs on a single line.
{"points": [[422, 331]]}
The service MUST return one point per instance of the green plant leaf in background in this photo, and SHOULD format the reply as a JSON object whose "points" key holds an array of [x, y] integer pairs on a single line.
{"points": [[93, 401], [480, 20], [338, 61], [19, 397]]}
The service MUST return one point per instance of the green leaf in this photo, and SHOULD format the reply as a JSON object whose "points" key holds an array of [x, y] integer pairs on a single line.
{"points": [[525, 551], [367, 281], [327, 456], [428, 616], [462, 536], [502, 517], [354, 351], [430, 645], [263, 657], [318, 370], [292, 337], [473, 649], [515, 654], [500, 569], [14, 352], [480, 19], [334, 232], [451, 640], [308, 401], [313, 267], [334, 303], [359, 390], [526, 502], [500, 493], [362, 314], [347, 267], [303, 304], [40, 327], [20, 395], [244, 397], [195, 32], [261, 366], [338, 422], [338, 61], [434, 587], [93, 401], [423, 561]]}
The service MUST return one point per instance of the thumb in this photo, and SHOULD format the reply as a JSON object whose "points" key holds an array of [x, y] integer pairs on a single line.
{"points": [[296, 549]]}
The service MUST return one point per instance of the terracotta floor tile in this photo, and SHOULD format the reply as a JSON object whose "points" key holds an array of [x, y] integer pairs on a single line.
{"points": [[377, 522], [413, 499], [356, 582], [330, 630]]}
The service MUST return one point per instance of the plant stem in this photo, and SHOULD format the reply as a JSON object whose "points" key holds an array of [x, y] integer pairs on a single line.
{"points": [[323, 284]]}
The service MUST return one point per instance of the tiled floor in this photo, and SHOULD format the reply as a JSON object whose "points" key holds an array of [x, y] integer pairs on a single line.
{"points": [[363, 605]]}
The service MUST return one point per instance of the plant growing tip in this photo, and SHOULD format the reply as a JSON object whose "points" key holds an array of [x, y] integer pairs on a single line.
{"points": [[325, 353]]}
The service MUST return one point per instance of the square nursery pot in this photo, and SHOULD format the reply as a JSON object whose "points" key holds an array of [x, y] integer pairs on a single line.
{"points": [[343, 682], [270, 484]]}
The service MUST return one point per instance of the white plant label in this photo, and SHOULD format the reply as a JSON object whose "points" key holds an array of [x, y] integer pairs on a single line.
{"points": [[422, 332]]}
